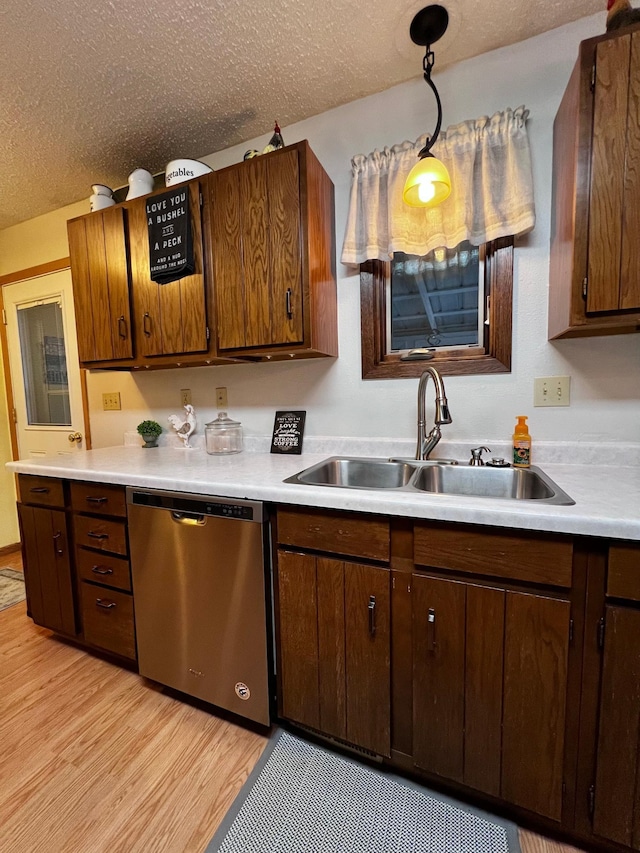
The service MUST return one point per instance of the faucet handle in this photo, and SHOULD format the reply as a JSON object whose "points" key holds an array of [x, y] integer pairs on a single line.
{"points": [[476, 455]]}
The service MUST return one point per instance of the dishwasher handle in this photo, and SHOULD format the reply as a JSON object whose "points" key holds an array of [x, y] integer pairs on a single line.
{"points": [[188, 517]]}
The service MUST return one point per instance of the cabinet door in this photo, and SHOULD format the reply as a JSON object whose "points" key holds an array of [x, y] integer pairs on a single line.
{"points": [[368, 656], [170, 318], [256, 239], [614, 221], [534, 703], [617, 793], [47, 568], [98, 254]]}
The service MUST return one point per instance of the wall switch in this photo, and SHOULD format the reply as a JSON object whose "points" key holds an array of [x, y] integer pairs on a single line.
{"points": [[111, 402], [551, 391], [221, 398], [185, 397]]}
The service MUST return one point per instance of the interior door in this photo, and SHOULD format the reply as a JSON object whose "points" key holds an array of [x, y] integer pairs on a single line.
{"points": [[43, 361]]}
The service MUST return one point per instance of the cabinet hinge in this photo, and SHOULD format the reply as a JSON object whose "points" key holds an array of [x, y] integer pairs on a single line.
{"points": [[571, 630], [592, 800], [601, 633], [208, 333], [201, 200], [14, 415], [593, 78], [584, 287]]}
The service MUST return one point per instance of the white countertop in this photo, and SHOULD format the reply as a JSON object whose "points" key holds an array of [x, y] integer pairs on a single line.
{"points": [[607, 496]]}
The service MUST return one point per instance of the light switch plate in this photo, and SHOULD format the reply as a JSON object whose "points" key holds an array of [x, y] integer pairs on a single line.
{"points": [[551, 391], [111, 402], [221, 398], [185, 397]]}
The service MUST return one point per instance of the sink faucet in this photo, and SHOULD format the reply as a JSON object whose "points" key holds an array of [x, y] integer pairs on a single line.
{"points": [[426, 443]]}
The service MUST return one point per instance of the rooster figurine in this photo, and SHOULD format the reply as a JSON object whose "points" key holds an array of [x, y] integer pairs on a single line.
{"points": [[620, 13], [184, 429]]}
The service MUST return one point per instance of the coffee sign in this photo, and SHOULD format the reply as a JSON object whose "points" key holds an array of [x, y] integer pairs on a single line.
{"points": [[288, 430], [170, 242]]}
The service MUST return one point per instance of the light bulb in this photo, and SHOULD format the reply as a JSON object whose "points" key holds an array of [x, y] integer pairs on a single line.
{"points": [[426, 190]]}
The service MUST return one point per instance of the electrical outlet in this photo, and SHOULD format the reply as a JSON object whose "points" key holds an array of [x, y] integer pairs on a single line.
{"points": [[111, 402], [221, 398], [185, 397], [551, 391]]}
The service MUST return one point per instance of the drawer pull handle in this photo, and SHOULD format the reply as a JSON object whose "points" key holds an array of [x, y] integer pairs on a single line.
{"points": [[372, 615], [101, 570], [90, 499], [431, 629], [93, 535], [39, 490], [105, 603], [57, 537]]}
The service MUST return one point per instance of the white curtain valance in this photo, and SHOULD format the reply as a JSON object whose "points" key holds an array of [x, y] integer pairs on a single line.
{"points": [[491, 191]]}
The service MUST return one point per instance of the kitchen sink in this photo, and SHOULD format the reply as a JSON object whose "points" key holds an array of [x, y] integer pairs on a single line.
{"points": [[520, 484], [356, 473]]}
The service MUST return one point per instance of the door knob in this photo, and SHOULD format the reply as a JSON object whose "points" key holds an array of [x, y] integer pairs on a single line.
{"points": [[75, 436]]}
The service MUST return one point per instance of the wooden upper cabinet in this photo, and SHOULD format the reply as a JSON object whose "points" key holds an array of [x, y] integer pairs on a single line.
{"points": [[595, 253], [170, 318], [97, 248], [273, 256]]}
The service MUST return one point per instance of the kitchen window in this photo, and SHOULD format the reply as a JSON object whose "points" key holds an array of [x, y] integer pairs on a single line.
{"points": [[436, 303]]}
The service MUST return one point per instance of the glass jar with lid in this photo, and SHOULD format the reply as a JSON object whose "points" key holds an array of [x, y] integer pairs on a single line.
{"points": [[223, 435]]}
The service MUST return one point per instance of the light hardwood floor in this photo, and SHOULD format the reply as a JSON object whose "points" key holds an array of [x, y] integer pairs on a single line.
{"points": [[93, 758]]}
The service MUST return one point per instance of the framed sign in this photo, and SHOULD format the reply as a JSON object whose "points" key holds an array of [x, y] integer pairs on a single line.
{"points": [[288, 430]]}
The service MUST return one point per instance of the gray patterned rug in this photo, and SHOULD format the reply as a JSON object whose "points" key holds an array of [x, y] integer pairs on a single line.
{"points": [[301, 798], [11, 588]]}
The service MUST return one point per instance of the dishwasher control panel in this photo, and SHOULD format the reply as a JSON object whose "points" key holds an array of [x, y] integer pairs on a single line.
{"points": [[198, 504]]}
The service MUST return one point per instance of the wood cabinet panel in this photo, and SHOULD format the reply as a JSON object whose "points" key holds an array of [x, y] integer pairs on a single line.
{"points": [[367, 643], [101, 534], [365, 537], [623, 574], [484, 664], [99, 498], [630, 272], [170, 318], [617, 790], [513, 556], [298, 638], [107, 620], [331, 647], [254, 203], [228, 266], [105, 569], [47, 568], [535, 696], [44, 491], [438, 675]]}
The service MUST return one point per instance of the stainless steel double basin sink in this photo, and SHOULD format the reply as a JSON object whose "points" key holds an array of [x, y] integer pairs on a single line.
{"points": [[521, 484]]}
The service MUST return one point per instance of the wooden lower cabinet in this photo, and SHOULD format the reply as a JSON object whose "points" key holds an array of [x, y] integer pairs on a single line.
{"points": [[47, 568], [333, 621], [490, 674]]}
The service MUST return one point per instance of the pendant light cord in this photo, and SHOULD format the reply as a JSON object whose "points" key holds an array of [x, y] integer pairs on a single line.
{"points": [[427, 65]]}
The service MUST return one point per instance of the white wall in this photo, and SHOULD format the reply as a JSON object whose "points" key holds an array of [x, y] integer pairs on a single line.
{"points": [[605, 376]]}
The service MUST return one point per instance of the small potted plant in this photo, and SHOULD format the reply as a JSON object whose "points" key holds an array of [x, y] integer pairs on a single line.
{"points": [[149, 430]]}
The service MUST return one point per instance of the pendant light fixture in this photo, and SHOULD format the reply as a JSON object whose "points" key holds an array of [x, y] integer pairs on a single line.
{"points": [[428, 183]]}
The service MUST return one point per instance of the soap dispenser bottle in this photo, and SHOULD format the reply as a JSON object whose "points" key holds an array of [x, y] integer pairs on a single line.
{"points": [[521, 443]]}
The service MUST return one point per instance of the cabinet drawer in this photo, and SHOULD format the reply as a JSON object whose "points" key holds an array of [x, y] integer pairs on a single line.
{"points": [[107, 619], [623, 577], [99, 498], [518, 557], [336, 532], [46, 491], [103, 568], [100, 533]]}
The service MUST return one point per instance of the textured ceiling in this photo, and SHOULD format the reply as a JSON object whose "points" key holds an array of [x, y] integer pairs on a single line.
{"points": [[91, 90]]}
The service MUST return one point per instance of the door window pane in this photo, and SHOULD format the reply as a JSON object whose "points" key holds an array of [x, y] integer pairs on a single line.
{"points": [[436, 300], [44, 364]]}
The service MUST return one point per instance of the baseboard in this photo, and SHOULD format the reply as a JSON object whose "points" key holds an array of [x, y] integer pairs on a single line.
{"points": [[9, 549]]}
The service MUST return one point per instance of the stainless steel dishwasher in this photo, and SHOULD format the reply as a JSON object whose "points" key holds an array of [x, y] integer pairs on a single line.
{"points": [[200, 591]]}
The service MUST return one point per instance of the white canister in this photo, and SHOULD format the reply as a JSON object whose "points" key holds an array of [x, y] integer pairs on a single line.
{"points": [[140, 183], [99, 202]]}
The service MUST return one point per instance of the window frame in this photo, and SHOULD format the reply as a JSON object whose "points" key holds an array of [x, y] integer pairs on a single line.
{"points": [[493, 357]]}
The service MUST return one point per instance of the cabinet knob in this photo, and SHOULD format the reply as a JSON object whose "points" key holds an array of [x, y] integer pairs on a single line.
{"points": [[372, 615]]}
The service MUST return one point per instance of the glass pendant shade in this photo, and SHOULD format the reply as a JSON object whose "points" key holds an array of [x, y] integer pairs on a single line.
{"points": [[427, 184]]}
